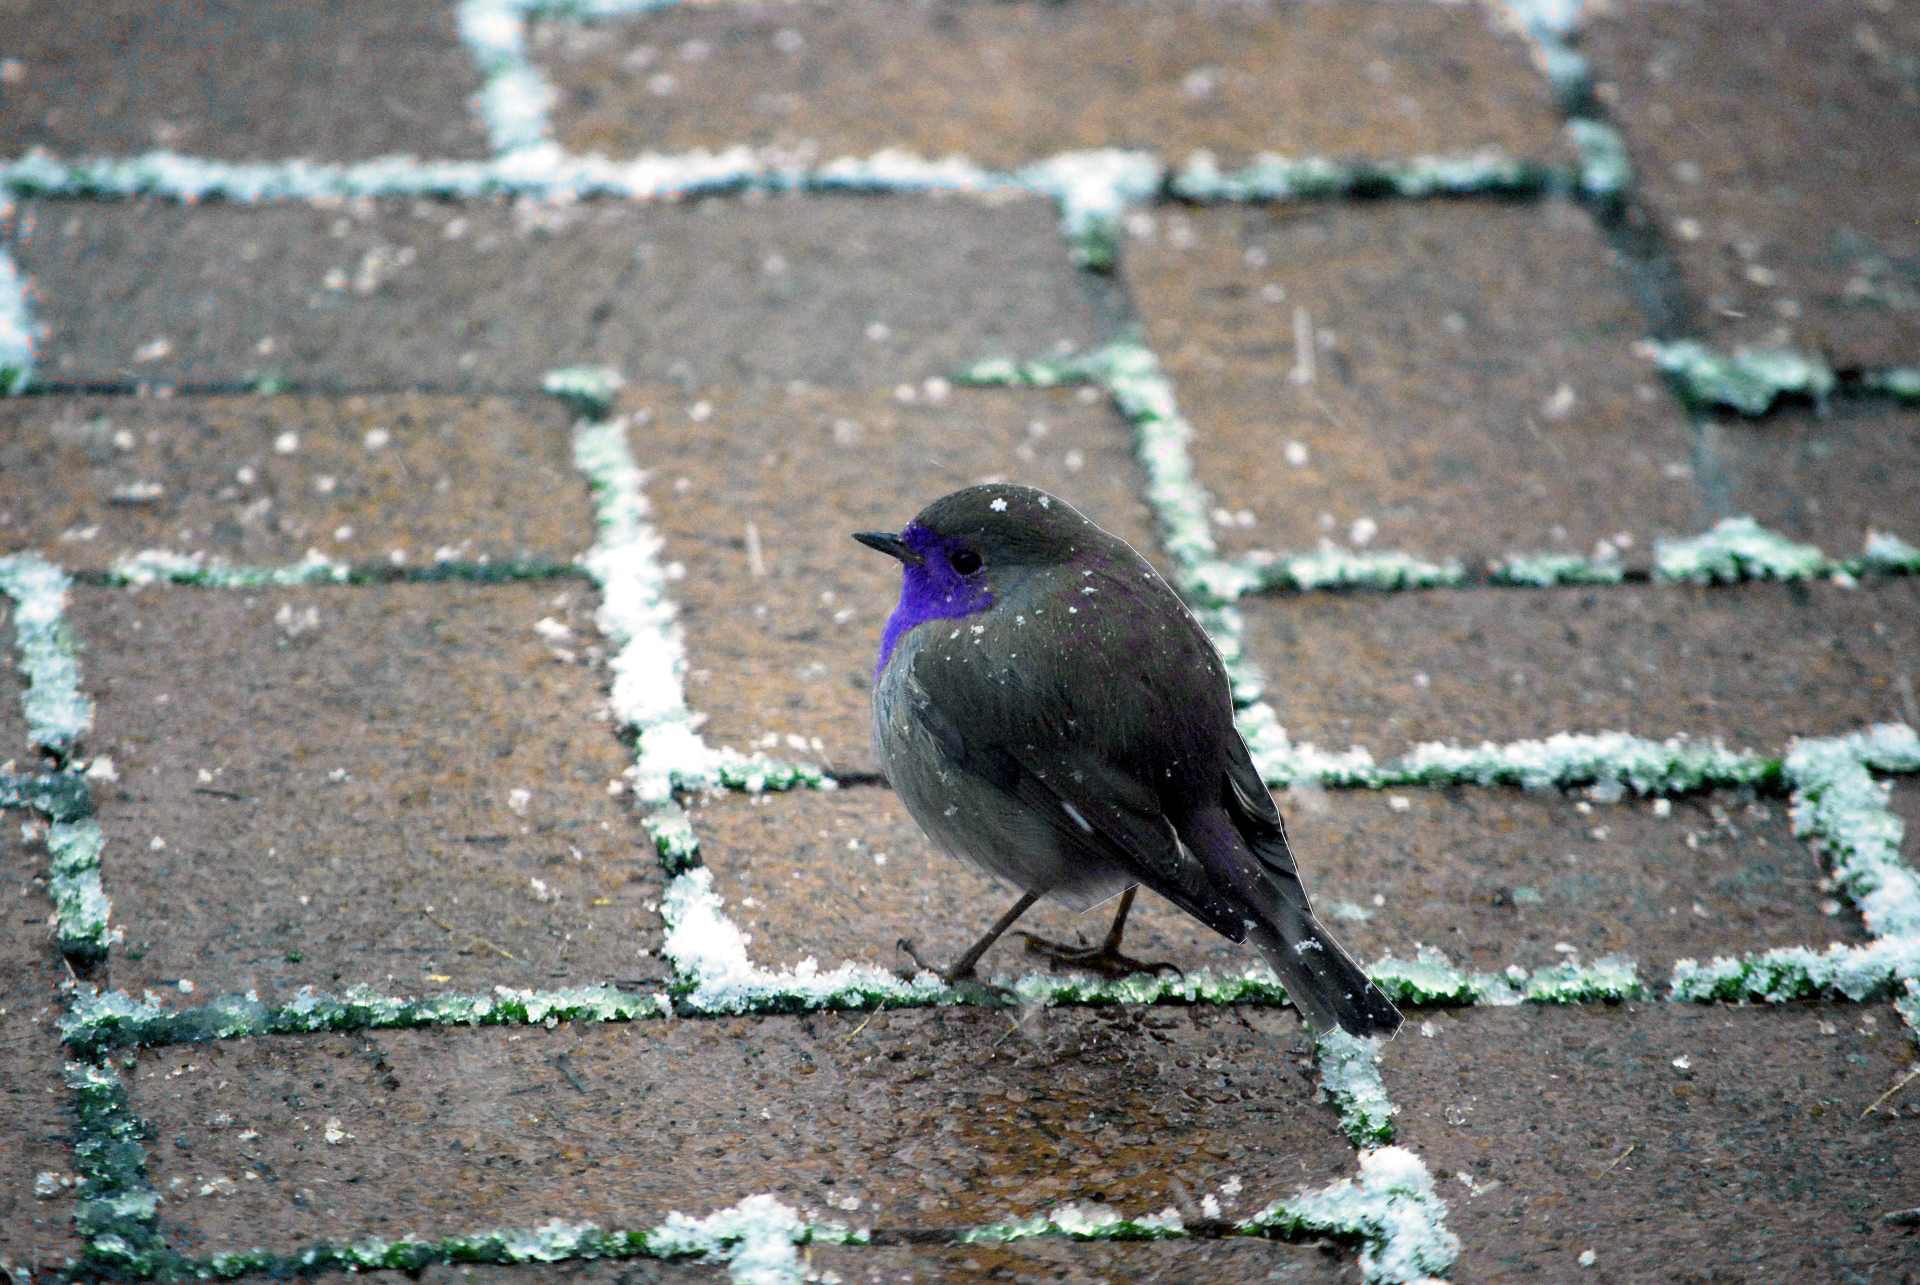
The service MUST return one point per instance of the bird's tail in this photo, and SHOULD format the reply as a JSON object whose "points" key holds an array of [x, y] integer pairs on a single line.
{"points": [[1321, 978]]}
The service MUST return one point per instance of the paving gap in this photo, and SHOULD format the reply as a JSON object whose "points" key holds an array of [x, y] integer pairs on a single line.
{"points": [[1842, 811], [17, 329]]}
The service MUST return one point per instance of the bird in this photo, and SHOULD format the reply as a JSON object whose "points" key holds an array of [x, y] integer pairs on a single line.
{"points": [[1047, 708]]}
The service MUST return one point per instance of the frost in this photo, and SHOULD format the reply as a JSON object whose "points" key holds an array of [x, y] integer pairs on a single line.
{"points": [[709, 953], [1093, 190], [160, 566], [1541, 570], [1859, 973], [756, 1239], [1335, 568], [1270, 178], [17, 330], [637, 616], [1737, 549], [1350, 1079], [1902, 383], [110, 1019], [1890, 555], [1392, 1208], [1844, 812], [81, 907], [1080, 1221], [57, 714], [1747, 382], [1606, 170]]}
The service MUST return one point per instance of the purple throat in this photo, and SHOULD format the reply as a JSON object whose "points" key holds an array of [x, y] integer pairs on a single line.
{"points": [[930, 590]]}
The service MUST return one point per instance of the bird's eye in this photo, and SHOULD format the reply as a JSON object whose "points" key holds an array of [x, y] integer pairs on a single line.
{"points": [[965, 561]]}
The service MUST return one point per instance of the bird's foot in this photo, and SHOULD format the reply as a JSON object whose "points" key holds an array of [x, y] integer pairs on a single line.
{"points": [[1105, 959], [967, 984]]}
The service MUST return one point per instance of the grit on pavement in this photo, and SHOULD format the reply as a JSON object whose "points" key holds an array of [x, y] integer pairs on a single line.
{"points": [[441, 832]]}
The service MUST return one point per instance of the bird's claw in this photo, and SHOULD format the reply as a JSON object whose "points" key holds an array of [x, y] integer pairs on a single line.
{"points": [[967, 984], [1103, 959]]}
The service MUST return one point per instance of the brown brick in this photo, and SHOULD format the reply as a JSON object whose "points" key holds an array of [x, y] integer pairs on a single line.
{"points": [[1558, 1131], [254, 82], [1828, 479], [1473, 393], [718, 290], [1067, 1263], [1753, 664], [793, 879], [475, 478], [1499, 877], [1010, 83], [36, 1131], [933, 1119], [1765, 136], [1490, 877], [791, 653], [332, 773]]}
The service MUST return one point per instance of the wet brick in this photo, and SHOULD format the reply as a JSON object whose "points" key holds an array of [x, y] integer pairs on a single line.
{"points": [[261, 480], [1828, 478], [252, 82], [1675, 1142], [1494, 877], [485, 296], [1490, 877], [1010, 83], [789, 654], [36, 1131], [1751, 664], [1472, 393], [803, 875], [1765, 136], [915, 1120], [1068, 1263], [333, 774]]}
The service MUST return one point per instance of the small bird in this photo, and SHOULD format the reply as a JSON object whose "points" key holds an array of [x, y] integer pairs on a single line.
{"points": [[1048, 709]]}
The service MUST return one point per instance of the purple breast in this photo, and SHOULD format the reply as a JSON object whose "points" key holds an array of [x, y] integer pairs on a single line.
{"points": [[932, 590]]}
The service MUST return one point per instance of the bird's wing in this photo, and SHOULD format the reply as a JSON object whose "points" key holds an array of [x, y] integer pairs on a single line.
{"points": [[1053, 755], [1252, 810]]}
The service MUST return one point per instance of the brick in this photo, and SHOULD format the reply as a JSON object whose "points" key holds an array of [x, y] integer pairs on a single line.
{"points": [[1828, 479], [790, 653], [1557, 1131], [1490, 877], [792, 878], [1499, 877], [448, 476], [1234, 1259], [753, 289], [1472, 391], [1013, 83], [36, 1131], [1765, 137], [916, 1120], [333, 772], [250, 82], [1751, 664]]}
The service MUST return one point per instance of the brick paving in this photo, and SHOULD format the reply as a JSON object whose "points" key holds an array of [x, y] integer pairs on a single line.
{"points": [[409, 717]]}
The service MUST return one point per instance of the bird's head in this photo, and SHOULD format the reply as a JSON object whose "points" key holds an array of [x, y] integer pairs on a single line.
{"points": [[966, 548]]}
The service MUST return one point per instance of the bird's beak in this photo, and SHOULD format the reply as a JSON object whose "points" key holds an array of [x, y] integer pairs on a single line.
{"points": [[889, 544]]}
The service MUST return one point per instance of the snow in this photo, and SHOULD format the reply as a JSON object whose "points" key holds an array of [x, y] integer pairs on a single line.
{"points": [[1391, 1207], [17, 329]]}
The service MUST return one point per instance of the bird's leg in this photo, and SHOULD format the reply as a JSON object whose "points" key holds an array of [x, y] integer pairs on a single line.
{"points": [[1106, 958], [962, 969]]}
